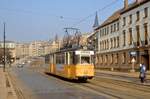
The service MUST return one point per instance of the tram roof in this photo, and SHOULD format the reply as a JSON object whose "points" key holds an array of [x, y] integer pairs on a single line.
{"points": [[71, 49]]}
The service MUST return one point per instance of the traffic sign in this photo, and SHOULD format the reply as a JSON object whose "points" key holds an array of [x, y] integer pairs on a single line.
{"points": [[133, 60], [133, 53]]}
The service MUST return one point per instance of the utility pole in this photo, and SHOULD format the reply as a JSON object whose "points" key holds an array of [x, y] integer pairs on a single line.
{"points": [[4, 48]]}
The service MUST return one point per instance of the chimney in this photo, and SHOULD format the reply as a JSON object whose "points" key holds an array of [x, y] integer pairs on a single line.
{"points": [[126, 4]]}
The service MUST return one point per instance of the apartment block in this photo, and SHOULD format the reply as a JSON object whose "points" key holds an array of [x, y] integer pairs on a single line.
{"points": [[125, 36]]}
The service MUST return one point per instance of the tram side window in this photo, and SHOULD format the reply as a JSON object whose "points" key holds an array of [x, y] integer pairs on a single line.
{"points": [[51, 59], [47, 58], [60, 58], [77, 59], [57, 59], [92, 59], [72, 58], [85, 60]]}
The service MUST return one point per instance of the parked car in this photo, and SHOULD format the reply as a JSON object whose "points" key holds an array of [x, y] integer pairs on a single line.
{"points": [[1, 65], [19, 65]]}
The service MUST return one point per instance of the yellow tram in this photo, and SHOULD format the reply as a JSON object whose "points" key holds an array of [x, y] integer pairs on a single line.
{"points": [[71, 64]]}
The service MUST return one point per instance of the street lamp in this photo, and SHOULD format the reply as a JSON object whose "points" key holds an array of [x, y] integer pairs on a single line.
{"points": [[4, 48]]}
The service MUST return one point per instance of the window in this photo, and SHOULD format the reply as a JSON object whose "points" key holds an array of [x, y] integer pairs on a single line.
{"points": [[106, 58], [124, 21], [137, 16], [138, 35], [100, 33], [111, 28], [107, 44], [146, 33], [60, 58], [124, 38], [72, 58], [130, 22], [85, 60], [145, 12], [130, 36], [111, 43], [130, 59], [118, 26], [114, 42], [124, 58], [107, 30], [101, 59], [104, 32], [102, 45], [114, 27], [111, 59], [117, 58], [118, 41]]}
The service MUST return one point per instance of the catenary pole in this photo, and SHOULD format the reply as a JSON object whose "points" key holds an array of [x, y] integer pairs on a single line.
{"points": [[4, 48]]}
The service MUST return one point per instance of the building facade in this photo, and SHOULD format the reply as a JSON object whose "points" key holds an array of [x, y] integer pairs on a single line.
{"points": [[10, 46], [22, 50], [36, 48], [124, 37]]}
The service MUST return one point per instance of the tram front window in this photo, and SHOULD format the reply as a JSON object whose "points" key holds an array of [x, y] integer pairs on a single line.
{"points": [[85, 60]]}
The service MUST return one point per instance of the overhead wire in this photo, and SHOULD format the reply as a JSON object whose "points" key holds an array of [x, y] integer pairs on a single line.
{"points": [[84, 19], [38, 13], [61, 16]]}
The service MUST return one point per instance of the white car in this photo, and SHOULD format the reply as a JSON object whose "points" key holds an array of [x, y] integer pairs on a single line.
{"points": [[19, 65], [1, 65]]}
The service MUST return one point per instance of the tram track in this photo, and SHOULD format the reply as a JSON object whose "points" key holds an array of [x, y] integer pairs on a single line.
{"points": [[117, 93], [137, 86], [119, 89], [99, 90], [125, 92], [87, 86], [94, 88], [110, 88]]}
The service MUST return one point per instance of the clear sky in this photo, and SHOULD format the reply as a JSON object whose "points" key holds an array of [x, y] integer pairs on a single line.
{"points": [[28, 20]]}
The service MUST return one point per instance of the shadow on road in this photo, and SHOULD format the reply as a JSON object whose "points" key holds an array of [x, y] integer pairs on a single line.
{"points": [[67, 79]]}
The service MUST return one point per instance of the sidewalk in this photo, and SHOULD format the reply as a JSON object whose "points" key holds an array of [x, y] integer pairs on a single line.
{"points": [[6, 88], [2, 85], [124, 75], [129, 74]]}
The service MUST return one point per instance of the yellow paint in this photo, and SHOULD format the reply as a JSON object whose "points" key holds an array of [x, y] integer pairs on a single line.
{"points": [[73, 71], [52, 68]]}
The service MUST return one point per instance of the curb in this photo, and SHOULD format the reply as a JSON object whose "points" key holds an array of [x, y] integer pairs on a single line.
{"points": [[130, 75]]}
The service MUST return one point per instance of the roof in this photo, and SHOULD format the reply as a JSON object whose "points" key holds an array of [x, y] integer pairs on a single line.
{"points": [[134, 5], [116, 15], [7, 42]]}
